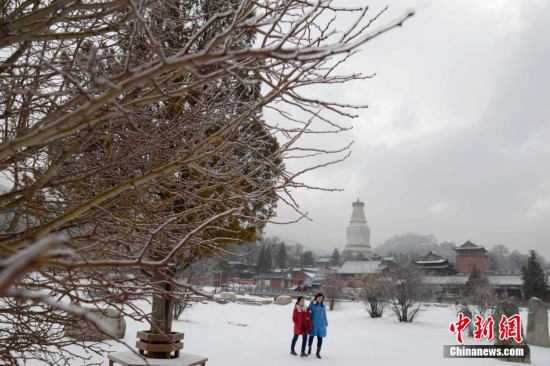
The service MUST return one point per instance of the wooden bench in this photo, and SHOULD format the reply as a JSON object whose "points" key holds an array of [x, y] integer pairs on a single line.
{"points": [[132, 359]]}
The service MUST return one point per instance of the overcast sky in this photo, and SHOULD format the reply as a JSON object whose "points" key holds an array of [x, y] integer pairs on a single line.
{"points": [[456, 139]]}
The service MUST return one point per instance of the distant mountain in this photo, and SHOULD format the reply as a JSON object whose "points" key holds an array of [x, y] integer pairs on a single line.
{"points": [[416, 245]]}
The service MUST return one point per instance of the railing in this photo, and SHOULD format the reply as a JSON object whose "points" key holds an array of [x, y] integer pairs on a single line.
{"points": [[277, 291]]}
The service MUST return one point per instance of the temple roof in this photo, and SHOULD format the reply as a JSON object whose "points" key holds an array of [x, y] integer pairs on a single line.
{"points": [[441, 261], [324, 260], [495, 280], [469, 245], [432, 257], [358, 267], [271, 276]]}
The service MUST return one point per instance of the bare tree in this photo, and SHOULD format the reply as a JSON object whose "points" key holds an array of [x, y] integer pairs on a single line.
{"points": [[406, 293], [191, 276], [479, 294], [332, 288], [498, 257], [518, 260], [374, 293], [133, 139]]}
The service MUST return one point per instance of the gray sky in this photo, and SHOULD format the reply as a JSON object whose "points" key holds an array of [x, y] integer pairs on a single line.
{"points": [[456, 139]]}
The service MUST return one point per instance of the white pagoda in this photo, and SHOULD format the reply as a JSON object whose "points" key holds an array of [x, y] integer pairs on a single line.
{"points": [[357, 234]]}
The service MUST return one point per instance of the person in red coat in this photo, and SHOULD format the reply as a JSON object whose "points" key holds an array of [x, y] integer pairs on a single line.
{"points": [[301, 317]]}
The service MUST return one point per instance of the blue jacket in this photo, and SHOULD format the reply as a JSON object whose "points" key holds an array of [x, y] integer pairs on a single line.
{"points": [[319, 319]]}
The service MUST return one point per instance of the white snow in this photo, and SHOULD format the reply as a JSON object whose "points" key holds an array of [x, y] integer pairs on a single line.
{"points": [[239, 334], [510, 280], [359, 267]]}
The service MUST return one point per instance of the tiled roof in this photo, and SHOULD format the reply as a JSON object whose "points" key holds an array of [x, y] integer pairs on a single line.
{"points": [[469, 245], [271, 276], [358, 267], [323, 260], [440, 261], [504, 280]]}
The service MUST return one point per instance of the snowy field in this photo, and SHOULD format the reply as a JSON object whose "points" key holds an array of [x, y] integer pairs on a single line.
{"points": [[235, 334]]}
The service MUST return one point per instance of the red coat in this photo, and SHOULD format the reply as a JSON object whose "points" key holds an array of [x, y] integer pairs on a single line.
{"points": [[302, 321]]}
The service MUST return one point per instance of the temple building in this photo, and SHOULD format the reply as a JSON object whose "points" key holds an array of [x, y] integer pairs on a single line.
{"points": [[434, 265], [470, 255], [357, 234]]}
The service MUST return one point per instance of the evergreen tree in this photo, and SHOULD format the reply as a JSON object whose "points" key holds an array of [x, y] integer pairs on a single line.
{"points": [[282, 257], [261, 260], [307, 259], [264, 260], [335, 258], [187, 187], [268, 260], [535, 282]]}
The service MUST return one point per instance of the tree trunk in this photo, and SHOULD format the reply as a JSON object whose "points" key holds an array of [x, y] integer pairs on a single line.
{"points": [[163, 307], [162, 311]]}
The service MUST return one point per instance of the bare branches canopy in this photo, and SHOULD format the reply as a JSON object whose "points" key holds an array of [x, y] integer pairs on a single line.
{"points": [[133, 140]]}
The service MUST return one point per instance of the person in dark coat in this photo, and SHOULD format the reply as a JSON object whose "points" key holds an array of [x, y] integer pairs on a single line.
{"points": [[301, 317], [319, 322]]}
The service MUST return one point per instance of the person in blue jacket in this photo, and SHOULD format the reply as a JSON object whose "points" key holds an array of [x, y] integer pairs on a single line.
{"points": [[320, 323]]}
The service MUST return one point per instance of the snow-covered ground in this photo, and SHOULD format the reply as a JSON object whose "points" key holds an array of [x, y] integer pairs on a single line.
{"points": [[235, 334]]}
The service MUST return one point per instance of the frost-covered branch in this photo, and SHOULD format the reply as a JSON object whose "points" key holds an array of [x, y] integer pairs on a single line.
{"points": [[135, 144]]}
